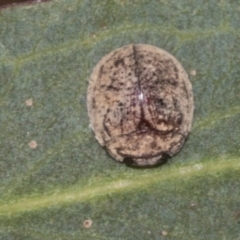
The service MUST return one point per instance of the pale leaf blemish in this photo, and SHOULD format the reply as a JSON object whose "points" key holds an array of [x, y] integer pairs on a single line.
{"points": [[198, 166], [122, 184], [194, 168], [87, 223], [193, 72], [33, 144], [164, 233], [29, 102], [185, 170], [193, 205]]}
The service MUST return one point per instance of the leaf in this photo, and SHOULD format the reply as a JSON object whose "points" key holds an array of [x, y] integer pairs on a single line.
{"points": [[55, 176]]}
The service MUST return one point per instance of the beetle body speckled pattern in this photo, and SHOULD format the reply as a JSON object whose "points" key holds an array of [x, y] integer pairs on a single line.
{"points": [[140, 104]]}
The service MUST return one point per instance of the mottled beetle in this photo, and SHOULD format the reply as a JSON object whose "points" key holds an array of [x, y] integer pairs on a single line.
{"points": [[140, 104]]}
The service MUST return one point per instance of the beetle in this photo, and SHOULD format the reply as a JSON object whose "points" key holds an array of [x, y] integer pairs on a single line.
{"points": [[140, 104]]}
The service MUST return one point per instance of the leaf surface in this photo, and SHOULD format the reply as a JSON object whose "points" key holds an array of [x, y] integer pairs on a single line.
{"points": [[53, 173]]}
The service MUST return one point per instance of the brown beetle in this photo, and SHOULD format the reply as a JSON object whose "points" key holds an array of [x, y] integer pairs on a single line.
{"points": [[140, 104]]}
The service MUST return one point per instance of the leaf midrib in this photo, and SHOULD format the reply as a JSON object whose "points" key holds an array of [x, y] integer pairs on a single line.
{"points": [[90, 40], [123, 183]]}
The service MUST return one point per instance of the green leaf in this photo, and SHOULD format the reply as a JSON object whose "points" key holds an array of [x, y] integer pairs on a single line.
{"points": [[53, 173]]}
